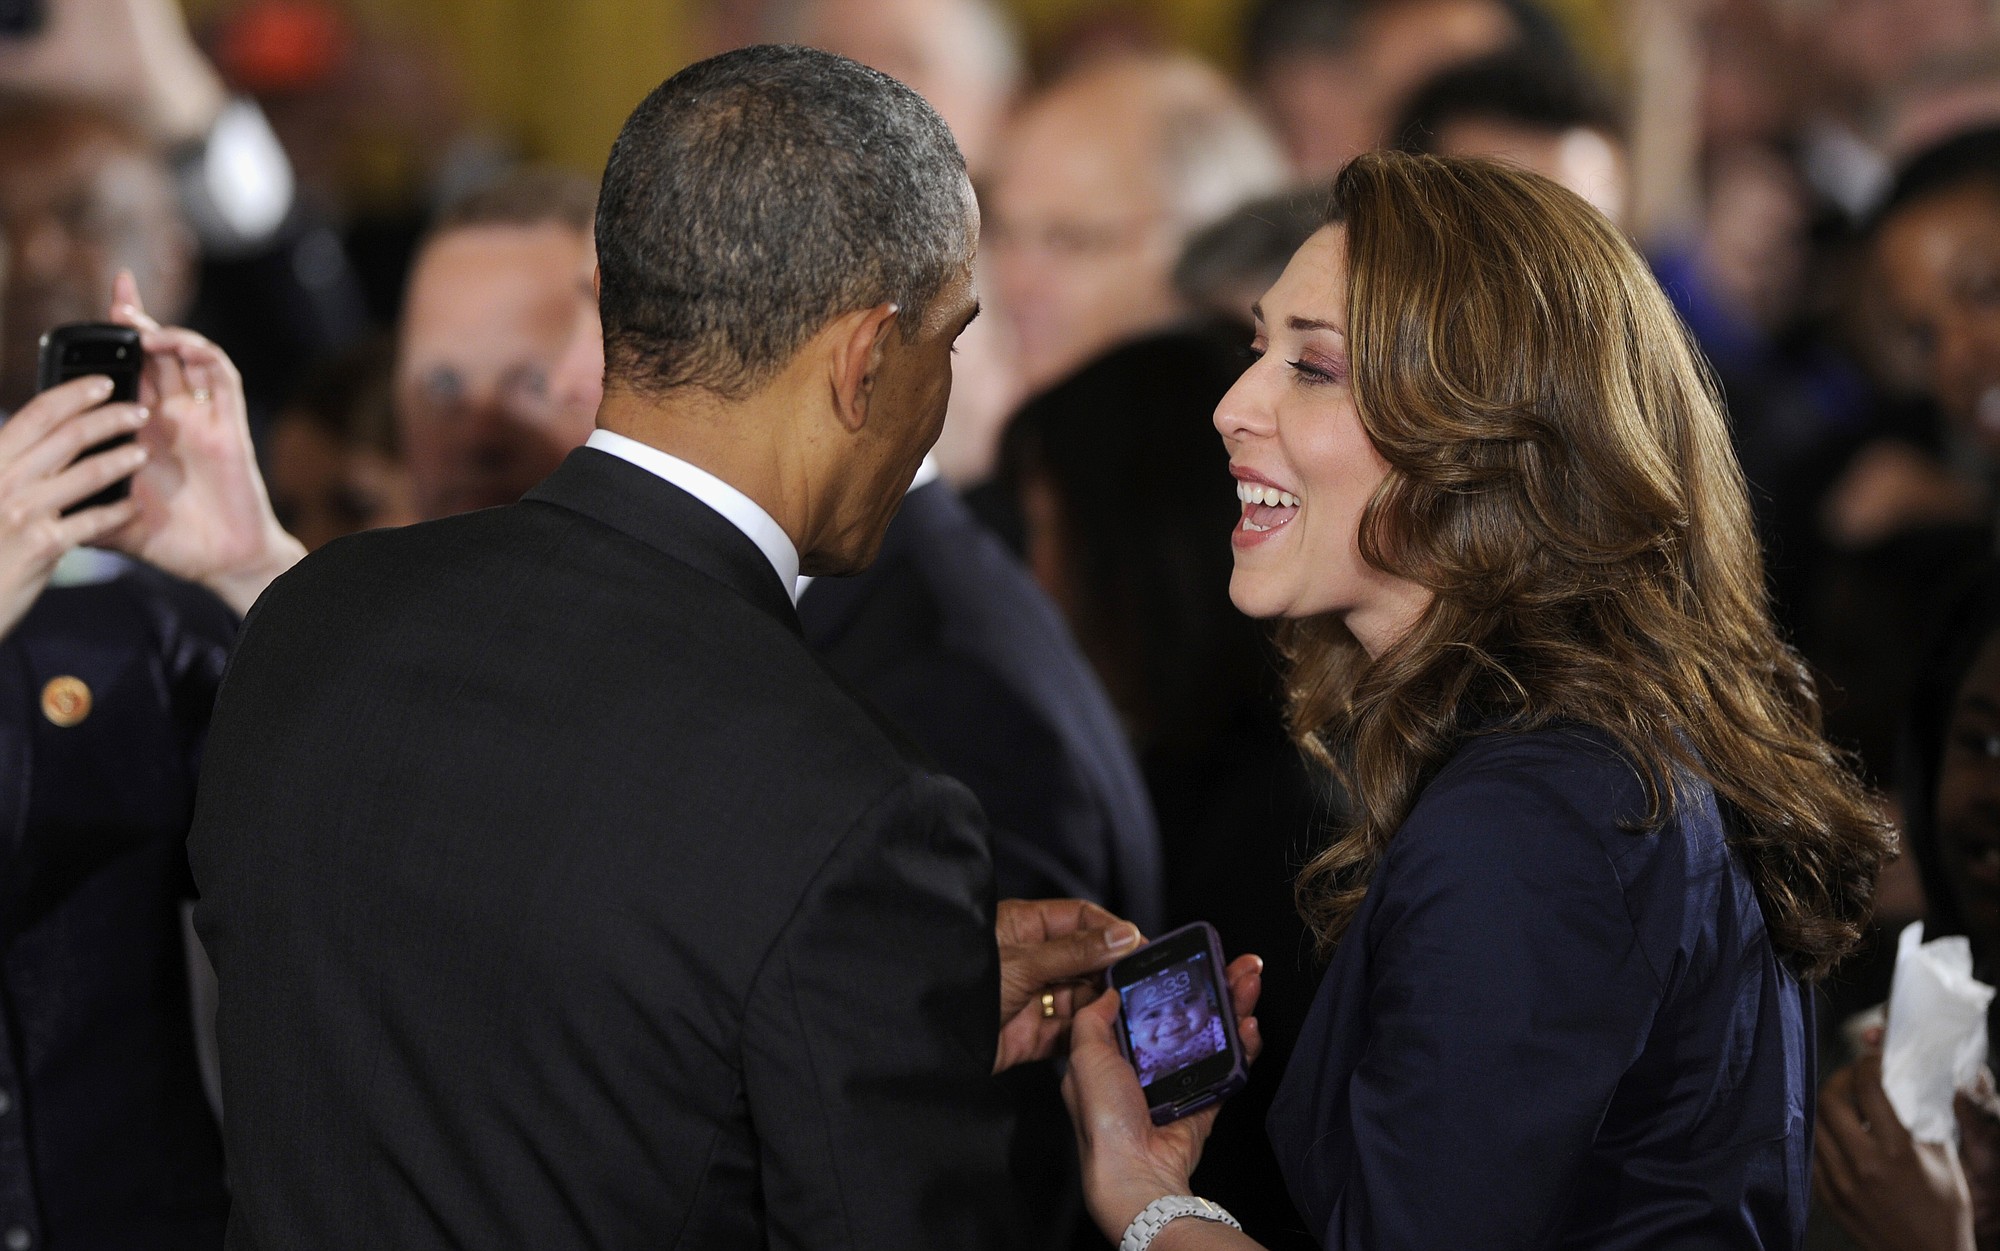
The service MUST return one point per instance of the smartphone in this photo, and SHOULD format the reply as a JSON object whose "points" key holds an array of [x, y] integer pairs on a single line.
{"points": [[19, 18], [1177, 1024], [83, 349]]}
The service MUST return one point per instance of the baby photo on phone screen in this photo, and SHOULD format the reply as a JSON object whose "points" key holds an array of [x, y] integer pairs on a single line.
{"points": [[1175, 1022]]}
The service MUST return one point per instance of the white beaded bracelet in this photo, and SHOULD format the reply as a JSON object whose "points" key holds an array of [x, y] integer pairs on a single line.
{"points": [[1147, 1225]]}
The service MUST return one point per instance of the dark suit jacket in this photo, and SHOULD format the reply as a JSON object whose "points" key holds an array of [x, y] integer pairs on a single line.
{"points": [[106, 1139], [1544, 1029], [948, 635], [560, 898]]}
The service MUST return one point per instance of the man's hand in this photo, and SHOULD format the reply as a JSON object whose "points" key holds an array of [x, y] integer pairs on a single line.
{"points": [[1127, 1160], [1891, 1192], [40, 476], [132, 57], [1048, 947], [202, 511]]}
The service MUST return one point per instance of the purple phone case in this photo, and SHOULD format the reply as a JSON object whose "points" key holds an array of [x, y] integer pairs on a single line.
{"points": [[1237, 1077]]}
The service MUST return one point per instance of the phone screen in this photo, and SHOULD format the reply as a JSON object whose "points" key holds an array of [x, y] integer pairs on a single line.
{"points": [[1174, 1019]]}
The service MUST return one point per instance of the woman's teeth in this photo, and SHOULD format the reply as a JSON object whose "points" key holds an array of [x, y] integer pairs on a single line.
{"points": [[1265, 508], [1269, 497]]}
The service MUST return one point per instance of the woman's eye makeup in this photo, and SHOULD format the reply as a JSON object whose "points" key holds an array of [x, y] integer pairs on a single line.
{"points": [[1316, 370]]}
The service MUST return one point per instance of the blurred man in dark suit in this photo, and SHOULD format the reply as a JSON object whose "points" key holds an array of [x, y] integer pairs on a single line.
{"points": [[559, 895]]}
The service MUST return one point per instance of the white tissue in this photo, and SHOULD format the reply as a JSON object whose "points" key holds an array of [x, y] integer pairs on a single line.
{"points": [[1936, 1040]]}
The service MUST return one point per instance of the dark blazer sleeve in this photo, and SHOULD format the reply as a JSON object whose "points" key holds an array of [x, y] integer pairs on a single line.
{"points": [[1510, 995], [869, 1040]]}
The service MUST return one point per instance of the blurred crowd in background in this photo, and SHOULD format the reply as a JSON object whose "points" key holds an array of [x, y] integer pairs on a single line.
{"points": [[384, 214]]}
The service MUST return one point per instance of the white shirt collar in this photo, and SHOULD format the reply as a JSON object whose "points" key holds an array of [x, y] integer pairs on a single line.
{"points": [[737, 509]]}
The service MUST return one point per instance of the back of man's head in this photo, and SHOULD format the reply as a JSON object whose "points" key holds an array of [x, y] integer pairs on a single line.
{"points": [[753, 197], [1515, 88], [1542, 112]]}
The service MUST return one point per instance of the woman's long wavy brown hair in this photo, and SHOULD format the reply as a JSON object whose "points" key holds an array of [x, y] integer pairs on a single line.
{"points": [[1561, 478]]}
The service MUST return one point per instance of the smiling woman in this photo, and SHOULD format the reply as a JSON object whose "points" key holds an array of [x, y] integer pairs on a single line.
{"points": [[1598, 845]]}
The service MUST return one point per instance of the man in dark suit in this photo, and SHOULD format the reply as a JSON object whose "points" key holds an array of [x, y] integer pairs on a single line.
{"points": [[948, 635], [558, 894]]}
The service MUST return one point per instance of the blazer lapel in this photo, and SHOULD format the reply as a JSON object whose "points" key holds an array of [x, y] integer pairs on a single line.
{"points": [[659, 514]]}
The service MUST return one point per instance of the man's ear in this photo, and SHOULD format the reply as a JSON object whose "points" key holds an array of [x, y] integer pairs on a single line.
{"points": [[858, 341]]}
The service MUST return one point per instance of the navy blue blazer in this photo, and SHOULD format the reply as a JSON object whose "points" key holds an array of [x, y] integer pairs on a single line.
{"points": [[106, 1139], [1546, 1030], [948, 635]]}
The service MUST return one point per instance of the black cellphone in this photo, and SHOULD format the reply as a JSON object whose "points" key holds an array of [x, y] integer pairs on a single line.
{"points": [[1176, 1022], [81, 350], [21, 17]]}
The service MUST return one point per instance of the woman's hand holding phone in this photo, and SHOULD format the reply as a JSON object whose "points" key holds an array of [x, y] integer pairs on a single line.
{"points": [[1127, 1160], [41, 477]]}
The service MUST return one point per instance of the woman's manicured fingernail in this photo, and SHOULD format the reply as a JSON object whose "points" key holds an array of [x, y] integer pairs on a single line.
{"points": [[100, 388], [1119, 937]]}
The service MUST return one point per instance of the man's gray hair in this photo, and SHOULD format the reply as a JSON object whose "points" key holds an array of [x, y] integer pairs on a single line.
{"points": [[755, 196]]}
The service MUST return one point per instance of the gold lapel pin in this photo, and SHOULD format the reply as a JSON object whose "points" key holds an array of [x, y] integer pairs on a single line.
{"points": [[66, 701]]}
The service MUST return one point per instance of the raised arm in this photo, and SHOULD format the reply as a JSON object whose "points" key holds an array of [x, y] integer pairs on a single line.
{"points": [[202, 512]]}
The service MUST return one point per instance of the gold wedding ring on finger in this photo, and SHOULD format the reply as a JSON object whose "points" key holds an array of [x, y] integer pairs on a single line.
{"points": [[1048, 1004]]}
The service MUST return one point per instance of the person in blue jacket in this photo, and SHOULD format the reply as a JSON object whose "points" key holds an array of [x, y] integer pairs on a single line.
{"points": [[1597, 845], [115, 624]]}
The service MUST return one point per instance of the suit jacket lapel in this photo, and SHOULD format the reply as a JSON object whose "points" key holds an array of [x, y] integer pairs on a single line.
{"points": [[659, 514]]}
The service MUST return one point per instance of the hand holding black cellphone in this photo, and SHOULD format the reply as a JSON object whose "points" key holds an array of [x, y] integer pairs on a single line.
{"points": [[1176, 1023], [86, 349]]}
